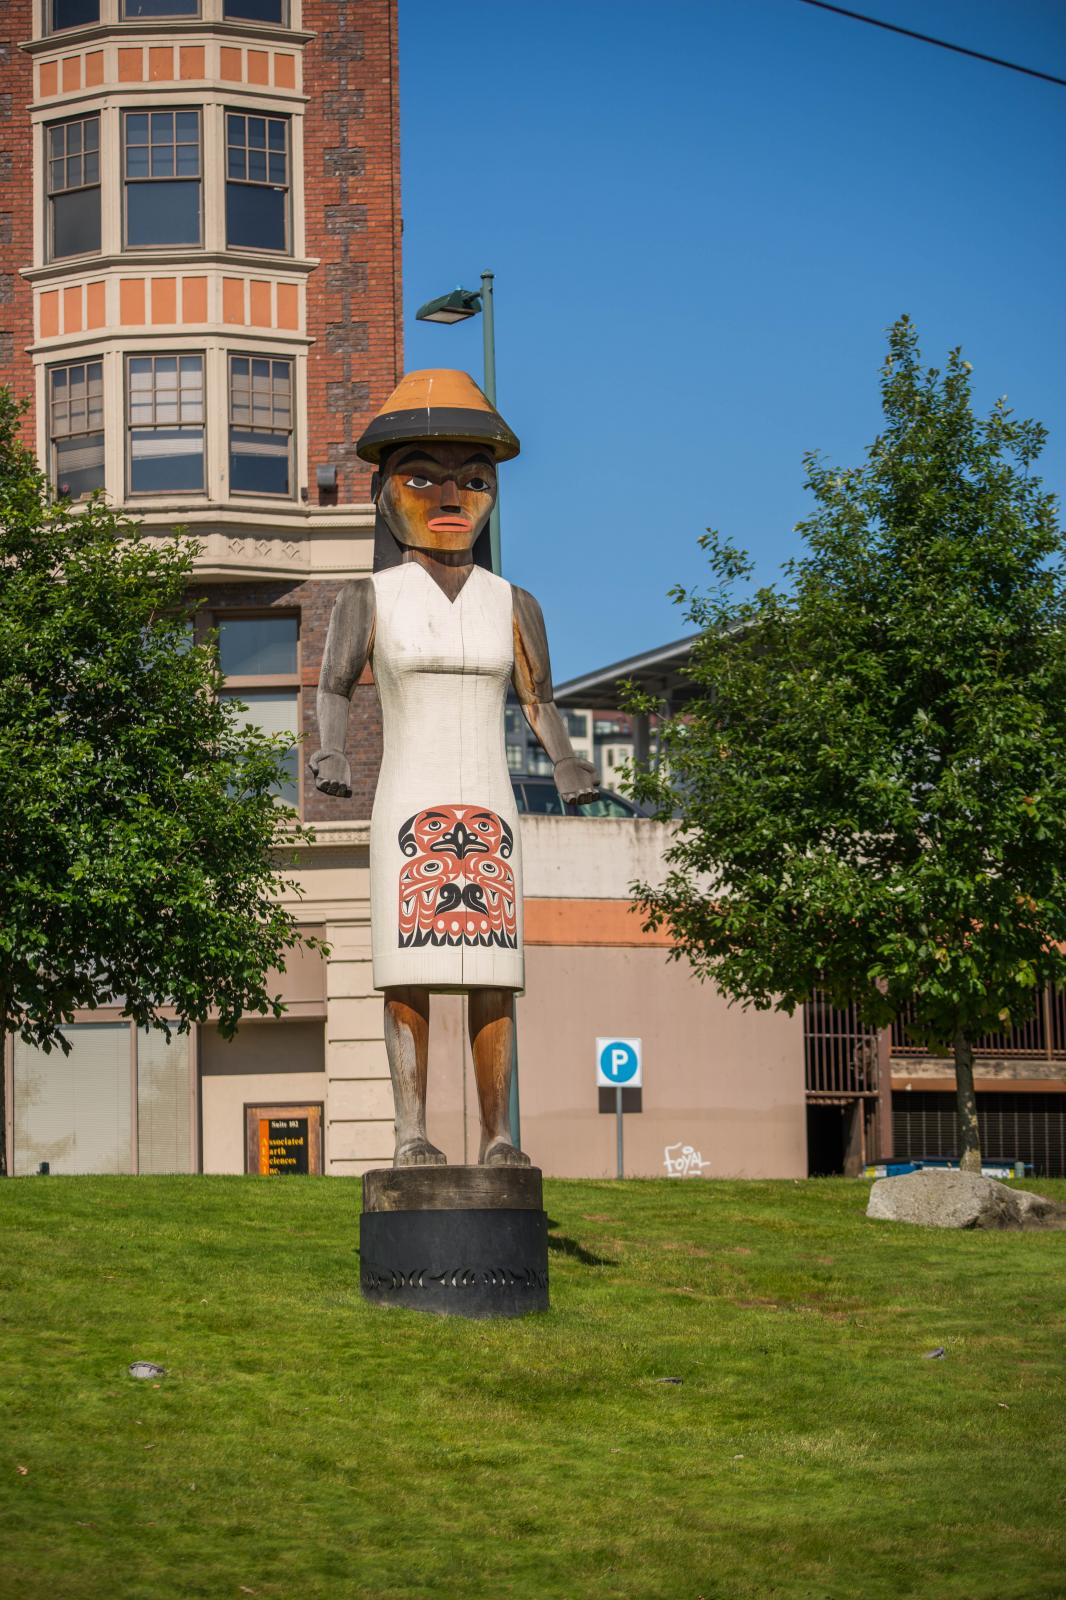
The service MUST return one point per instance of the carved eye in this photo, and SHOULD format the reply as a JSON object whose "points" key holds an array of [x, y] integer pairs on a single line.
{"points": [[479, 485], [418, 483], [434, 827]]}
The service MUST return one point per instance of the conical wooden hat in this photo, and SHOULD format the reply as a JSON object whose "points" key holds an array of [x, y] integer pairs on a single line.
{"points": [[438, 403]]}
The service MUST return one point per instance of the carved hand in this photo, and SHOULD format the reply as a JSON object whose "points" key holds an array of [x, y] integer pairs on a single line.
{"points": [[332, 773], [576, 779]]}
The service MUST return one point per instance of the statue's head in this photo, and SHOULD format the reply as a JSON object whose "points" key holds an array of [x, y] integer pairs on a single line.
{"points": [[437, 443], [437, 495]]}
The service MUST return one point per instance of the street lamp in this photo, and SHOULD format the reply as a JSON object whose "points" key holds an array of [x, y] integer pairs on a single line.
{"points": [[459, 306]]}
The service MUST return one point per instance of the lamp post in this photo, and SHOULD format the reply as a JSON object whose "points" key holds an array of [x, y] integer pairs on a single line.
{"points": [[459, 306]]}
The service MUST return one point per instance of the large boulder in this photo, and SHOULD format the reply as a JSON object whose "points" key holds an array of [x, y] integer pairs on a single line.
{"points": [[936, 1197]]}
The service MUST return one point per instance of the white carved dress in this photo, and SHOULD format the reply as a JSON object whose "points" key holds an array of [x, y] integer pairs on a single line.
{"points": [[445, 853]]}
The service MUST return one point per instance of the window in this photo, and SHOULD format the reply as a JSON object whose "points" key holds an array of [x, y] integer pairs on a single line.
{"points": [[257, 11], [134, 10], [162, 170], [76, 428], [165, 401], [260, 425], [257, 182], [258, 656], [77, 1108], [74, 187], [71, 14]]}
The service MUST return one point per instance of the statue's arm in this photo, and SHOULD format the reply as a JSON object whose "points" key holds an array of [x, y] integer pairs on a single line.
{"points": [[532, 678], [349, 642]]}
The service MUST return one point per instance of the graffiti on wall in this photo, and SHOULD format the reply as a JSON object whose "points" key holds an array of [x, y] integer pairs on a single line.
{"points": [[682, 1161]]}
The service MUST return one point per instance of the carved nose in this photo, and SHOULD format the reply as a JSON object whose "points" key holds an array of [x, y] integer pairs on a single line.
{"points": [[449, 495]]}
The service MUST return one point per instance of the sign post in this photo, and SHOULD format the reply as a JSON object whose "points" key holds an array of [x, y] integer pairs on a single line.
{"points": [[619, 1066]]}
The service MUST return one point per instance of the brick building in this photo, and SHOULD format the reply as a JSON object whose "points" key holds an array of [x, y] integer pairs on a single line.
{"points": [[200, 297]]}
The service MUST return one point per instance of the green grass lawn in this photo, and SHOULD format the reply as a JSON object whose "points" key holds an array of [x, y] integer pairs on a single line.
{"points": [[305, 1445]]}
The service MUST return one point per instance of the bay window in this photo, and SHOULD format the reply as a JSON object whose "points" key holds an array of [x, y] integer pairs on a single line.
{"points": [[276, 11], [63, 14], [260, 425], [73, 152], [257, 182], [162, 177], [165, 423], [76, 428]]}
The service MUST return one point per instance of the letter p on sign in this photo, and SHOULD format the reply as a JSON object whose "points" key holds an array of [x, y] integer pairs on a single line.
{"points": [[618, 1064]]}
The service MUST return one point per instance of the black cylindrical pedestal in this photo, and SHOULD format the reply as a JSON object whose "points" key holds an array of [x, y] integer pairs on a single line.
{"points": [[460, 1241]]}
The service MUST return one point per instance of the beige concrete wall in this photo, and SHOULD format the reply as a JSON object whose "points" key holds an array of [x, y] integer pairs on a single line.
{"points": [[591, 858], [726, 1082], [266, 1063]]}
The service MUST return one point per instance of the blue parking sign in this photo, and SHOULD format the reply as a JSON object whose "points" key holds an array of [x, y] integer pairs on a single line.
{"points": [[618, 1064]]}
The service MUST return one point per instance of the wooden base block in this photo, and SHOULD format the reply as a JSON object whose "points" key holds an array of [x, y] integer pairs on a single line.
{"points": [[458, 1241]]}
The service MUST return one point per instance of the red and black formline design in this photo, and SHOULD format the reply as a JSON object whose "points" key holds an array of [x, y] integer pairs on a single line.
{"points": [[457, 887]]}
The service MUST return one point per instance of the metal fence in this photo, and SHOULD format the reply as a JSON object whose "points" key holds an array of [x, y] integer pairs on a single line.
{"points": [[840, 1053], [1041, 1038], [1012, 1127]]}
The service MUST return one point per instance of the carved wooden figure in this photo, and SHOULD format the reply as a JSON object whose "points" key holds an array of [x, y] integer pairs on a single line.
{"points": [[445, 637]]}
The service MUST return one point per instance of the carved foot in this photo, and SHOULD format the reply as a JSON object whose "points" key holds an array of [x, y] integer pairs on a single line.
{"points": [[504, 1154], [419, 1153]]}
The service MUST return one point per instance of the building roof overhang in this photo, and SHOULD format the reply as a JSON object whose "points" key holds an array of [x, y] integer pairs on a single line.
{"points": [[658, 672]]}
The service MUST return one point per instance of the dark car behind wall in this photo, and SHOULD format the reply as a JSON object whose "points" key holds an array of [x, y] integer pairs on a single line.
{"points": [[538, 796]]}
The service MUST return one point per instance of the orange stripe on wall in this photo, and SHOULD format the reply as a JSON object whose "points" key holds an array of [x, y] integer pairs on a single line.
{"points": [[191, 61], [589, 922], [288, 306], [49, 78], [164, 300], [160, 62], [131, 302], [72, 303], [49, 313], [260, 314], [194, 300], [95, 308], [233, 300]]}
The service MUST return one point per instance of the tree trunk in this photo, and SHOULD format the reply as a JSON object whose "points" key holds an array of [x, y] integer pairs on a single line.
{"points": [[5, 997], [966, 1105], [3, 1096]]}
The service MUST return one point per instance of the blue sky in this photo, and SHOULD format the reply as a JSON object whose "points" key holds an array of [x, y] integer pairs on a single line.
{"points": [[702, 215]]}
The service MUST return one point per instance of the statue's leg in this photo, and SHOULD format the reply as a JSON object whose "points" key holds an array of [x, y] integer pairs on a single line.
{"points": [[491, 1018], [407, 1044]]}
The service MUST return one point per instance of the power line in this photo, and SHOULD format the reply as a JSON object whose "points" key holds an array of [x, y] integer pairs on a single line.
{"points": [[926, 38]]}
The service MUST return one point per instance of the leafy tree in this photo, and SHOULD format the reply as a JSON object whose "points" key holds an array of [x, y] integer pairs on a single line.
{"points": [[872, 779], [138, 834]]}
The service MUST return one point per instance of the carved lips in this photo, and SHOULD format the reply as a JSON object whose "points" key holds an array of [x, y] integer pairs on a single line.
{"points": [[449, 524], [457, 887]]}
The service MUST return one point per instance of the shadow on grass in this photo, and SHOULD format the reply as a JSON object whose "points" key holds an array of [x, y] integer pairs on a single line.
{"points": [[560, 1245]]}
